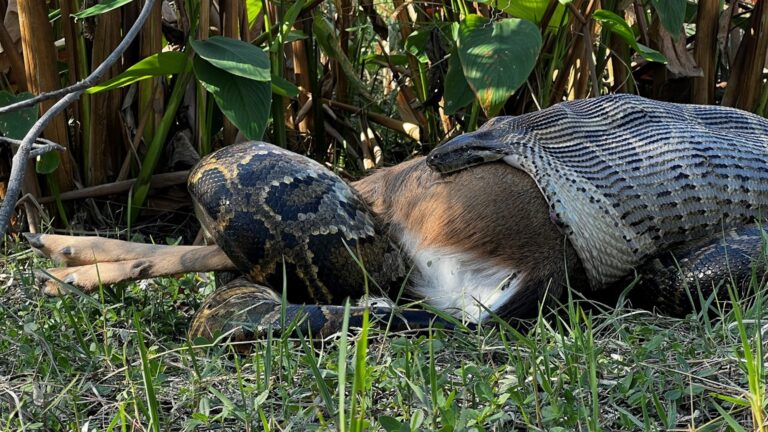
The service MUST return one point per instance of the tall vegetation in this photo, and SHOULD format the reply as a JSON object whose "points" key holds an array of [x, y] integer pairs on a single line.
{"points": [[353, 84]]}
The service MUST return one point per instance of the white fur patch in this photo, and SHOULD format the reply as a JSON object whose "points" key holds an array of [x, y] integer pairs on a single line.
{"points": [[457, 282]]}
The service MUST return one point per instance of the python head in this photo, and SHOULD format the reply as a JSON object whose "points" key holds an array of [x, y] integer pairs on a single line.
{"points": [[487, 144]]}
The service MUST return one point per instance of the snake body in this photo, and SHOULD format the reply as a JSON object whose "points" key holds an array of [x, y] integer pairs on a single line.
{"points": [[286, 221], [671, 192], [272, 210], [628, 177]]}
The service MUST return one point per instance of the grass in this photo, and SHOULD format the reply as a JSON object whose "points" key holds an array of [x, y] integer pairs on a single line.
{"points": [[120, 361]]}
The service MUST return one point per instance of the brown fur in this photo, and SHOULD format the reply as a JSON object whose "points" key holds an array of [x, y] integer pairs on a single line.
{"points": [[493, 211]]}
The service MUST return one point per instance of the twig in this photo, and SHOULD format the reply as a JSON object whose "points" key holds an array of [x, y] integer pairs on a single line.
{"points": [[19, 165], [590, 59], [96, 76], [39, 147], [410, 130], [31, 204], [577, 13], [157, 181]]}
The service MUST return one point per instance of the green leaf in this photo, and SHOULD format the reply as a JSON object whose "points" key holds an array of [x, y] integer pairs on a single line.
{"points": [[671, 14], [531, 10], [283, 87], [618, 26], [47, 163], [415, 44], [100, 8], [457, 93], [731, 399], [16, 124], [234, 56], [497, 57], [391, 424], [289, 19], [164, 63], [294, 35], [245, 102], [252, 8]]}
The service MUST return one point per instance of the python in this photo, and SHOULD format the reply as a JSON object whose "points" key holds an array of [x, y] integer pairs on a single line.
{"points": [[592, 194]]}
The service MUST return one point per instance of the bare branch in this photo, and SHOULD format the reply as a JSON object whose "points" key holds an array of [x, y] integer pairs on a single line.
{"points": [[92, 79], [39, 147], [157, 181], [73, 93]]}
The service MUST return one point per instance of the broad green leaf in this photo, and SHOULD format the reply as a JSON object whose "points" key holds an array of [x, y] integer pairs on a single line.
{"points": [[671, 14], [245, 102], [289, 19], [457, 93], [283, 87], [47, 163], [619, 27], [531, 10], [415, 44], [497, 57], [100, 8], [391, 424], [164, 63], [16, 124], [234, 56], [252, 9]]}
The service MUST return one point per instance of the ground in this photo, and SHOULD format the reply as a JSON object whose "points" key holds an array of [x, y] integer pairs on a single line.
{"points": [[119, 360]]}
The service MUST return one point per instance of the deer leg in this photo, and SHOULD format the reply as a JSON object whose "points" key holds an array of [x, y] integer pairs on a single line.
{"points": [[75, 251], [105, 261]]}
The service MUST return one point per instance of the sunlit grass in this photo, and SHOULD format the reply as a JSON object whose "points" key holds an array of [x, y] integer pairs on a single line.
{"points": [[120, 361]]}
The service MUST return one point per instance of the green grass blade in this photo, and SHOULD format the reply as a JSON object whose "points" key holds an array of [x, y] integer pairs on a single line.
{"points": [[734, 425], [357, 407], [311, 360], [342, 368], [146, 375]]}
